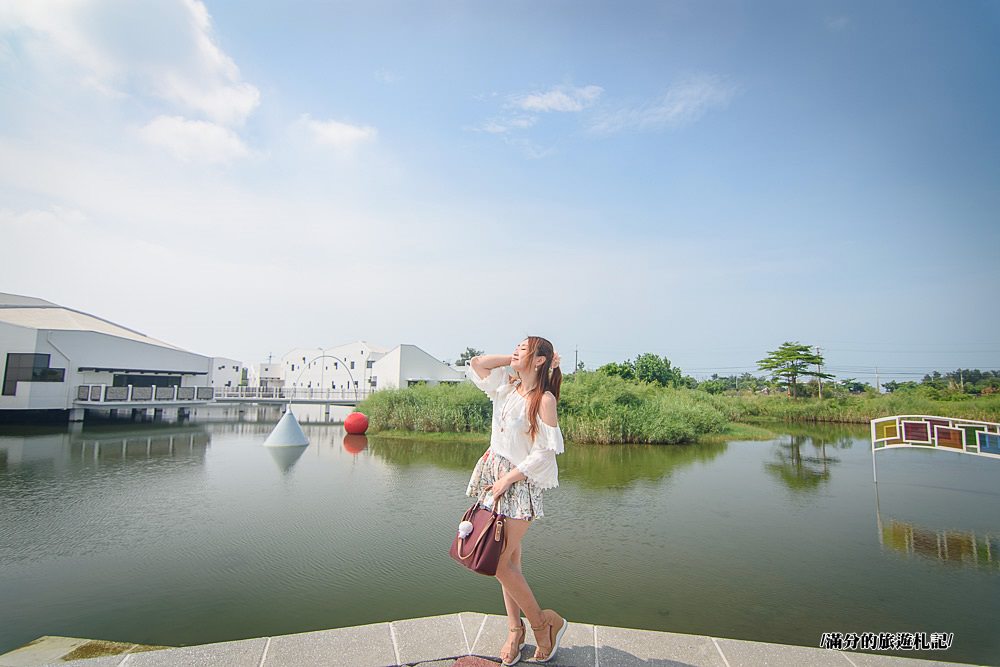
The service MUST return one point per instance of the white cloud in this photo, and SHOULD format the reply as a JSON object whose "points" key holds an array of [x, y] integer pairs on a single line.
{"points": [[683, 103], [343, 137], [560, 98], [162, 48], [522, 121], [194, 140], [504, 125]]}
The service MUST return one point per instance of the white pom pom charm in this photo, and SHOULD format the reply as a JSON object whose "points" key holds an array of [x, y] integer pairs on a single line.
{"points": [[464, 529]]}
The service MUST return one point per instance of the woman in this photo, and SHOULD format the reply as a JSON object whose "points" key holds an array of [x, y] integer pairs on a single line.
{"points": [[518, 466]]}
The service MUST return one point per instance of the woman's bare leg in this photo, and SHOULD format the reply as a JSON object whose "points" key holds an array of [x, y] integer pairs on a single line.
{"points": [[511, 647], [509, 572], [513, 610]]}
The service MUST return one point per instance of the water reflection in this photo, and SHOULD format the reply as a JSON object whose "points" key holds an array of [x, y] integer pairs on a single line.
{"points": [[965, 547], [354, 443], [807, 471], [57, 449], [186, 443], [286, 457], [591, 466], [962, 547]]}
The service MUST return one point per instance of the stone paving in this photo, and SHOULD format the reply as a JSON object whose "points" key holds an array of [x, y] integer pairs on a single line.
{"points": [[467, 639]]}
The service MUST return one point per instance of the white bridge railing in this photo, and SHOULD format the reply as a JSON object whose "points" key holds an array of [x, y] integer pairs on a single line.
{"points": [[290, 393]]}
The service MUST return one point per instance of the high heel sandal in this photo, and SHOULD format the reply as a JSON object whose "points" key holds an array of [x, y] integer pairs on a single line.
{"points": [[551, 630], [519, 643]]}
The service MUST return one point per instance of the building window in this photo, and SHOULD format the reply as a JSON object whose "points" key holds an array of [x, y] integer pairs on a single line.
{"points": [[352, 365], [29, 367], [146, 380], [369, 363], [373, 381], [336, 365], [355, 384], [293, 367]]}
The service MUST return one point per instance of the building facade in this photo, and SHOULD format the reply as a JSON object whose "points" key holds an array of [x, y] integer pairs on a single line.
{"points": [[58, 358], [354, 368]]}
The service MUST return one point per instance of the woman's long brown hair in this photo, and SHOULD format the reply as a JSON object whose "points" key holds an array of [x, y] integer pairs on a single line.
{"points": [[547, 381]]}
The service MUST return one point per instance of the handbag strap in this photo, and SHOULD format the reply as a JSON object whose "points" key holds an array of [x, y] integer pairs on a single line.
{"points": [[497, 529]]}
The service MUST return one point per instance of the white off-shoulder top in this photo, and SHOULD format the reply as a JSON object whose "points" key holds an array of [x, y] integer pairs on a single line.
{"points": [[509, 437]]}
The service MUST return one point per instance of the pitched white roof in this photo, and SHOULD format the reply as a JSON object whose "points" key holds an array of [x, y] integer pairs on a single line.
{"points": [[32, 313], [18, 300]]}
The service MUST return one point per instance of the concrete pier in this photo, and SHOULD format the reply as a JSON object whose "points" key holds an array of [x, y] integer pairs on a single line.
{"points": [[440, 641]]}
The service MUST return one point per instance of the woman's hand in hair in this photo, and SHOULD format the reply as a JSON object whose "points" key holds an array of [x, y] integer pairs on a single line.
{"points": [[485, 363], [555, 359]]}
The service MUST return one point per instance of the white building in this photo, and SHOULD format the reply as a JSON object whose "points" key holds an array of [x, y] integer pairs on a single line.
{"points": [[355, 367], [223, 372], [265, 375], [58, 358]]}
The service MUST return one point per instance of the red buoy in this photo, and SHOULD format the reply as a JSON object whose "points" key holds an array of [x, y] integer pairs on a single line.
{"points": [[356, 423]]}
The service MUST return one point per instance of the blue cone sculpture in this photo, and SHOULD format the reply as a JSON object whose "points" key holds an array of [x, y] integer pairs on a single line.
{"points": [[287, 432]]}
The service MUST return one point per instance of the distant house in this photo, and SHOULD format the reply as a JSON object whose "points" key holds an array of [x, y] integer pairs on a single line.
{"points": [[225, 372], [358, 366]]}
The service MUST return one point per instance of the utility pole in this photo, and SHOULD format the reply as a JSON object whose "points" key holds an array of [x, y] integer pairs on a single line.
{"points": [[878, 388], [576, 357], [819, 369]]}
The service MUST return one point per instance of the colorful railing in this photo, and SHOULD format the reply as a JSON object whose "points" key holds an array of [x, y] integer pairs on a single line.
{"points": [[966, 436]]}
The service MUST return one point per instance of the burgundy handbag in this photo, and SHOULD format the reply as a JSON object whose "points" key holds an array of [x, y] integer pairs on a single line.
{"points": [[480, 551]]}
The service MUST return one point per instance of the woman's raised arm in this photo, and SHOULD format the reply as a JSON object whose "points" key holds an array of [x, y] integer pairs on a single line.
{"points": [[483, 364]]}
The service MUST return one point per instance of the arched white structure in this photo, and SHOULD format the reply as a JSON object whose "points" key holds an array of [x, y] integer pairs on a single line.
{"points": [[965, 436]]}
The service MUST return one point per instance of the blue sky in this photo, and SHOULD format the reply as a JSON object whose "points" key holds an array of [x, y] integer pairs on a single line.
{"points": [[699, 180]]}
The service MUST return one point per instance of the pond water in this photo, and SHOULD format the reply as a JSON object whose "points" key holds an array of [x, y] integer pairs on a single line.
{"points": [[194, 533]]}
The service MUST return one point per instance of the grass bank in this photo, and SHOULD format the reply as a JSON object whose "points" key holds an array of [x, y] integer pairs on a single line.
{"points": [[859, 409], [595, 408]]}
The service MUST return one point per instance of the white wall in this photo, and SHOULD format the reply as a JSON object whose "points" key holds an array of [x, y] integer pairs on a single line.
{"points": [[21, 339], [417, 364], [301, 367], [407, 362], [265, 375], [74, 349], [223, 372], [386, 370]]}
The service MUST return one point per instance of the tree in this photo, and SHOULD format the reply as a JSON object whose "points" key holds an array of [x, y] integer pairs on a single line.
{"points": [[791, 360], [656, 370], [650, 368], [854, 386], [624, 370], [467, 355]]}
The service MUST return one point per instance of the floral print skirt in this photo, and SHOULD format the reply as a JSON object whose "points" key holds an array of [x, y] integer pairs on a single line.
{"points": [[521, 501]]}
